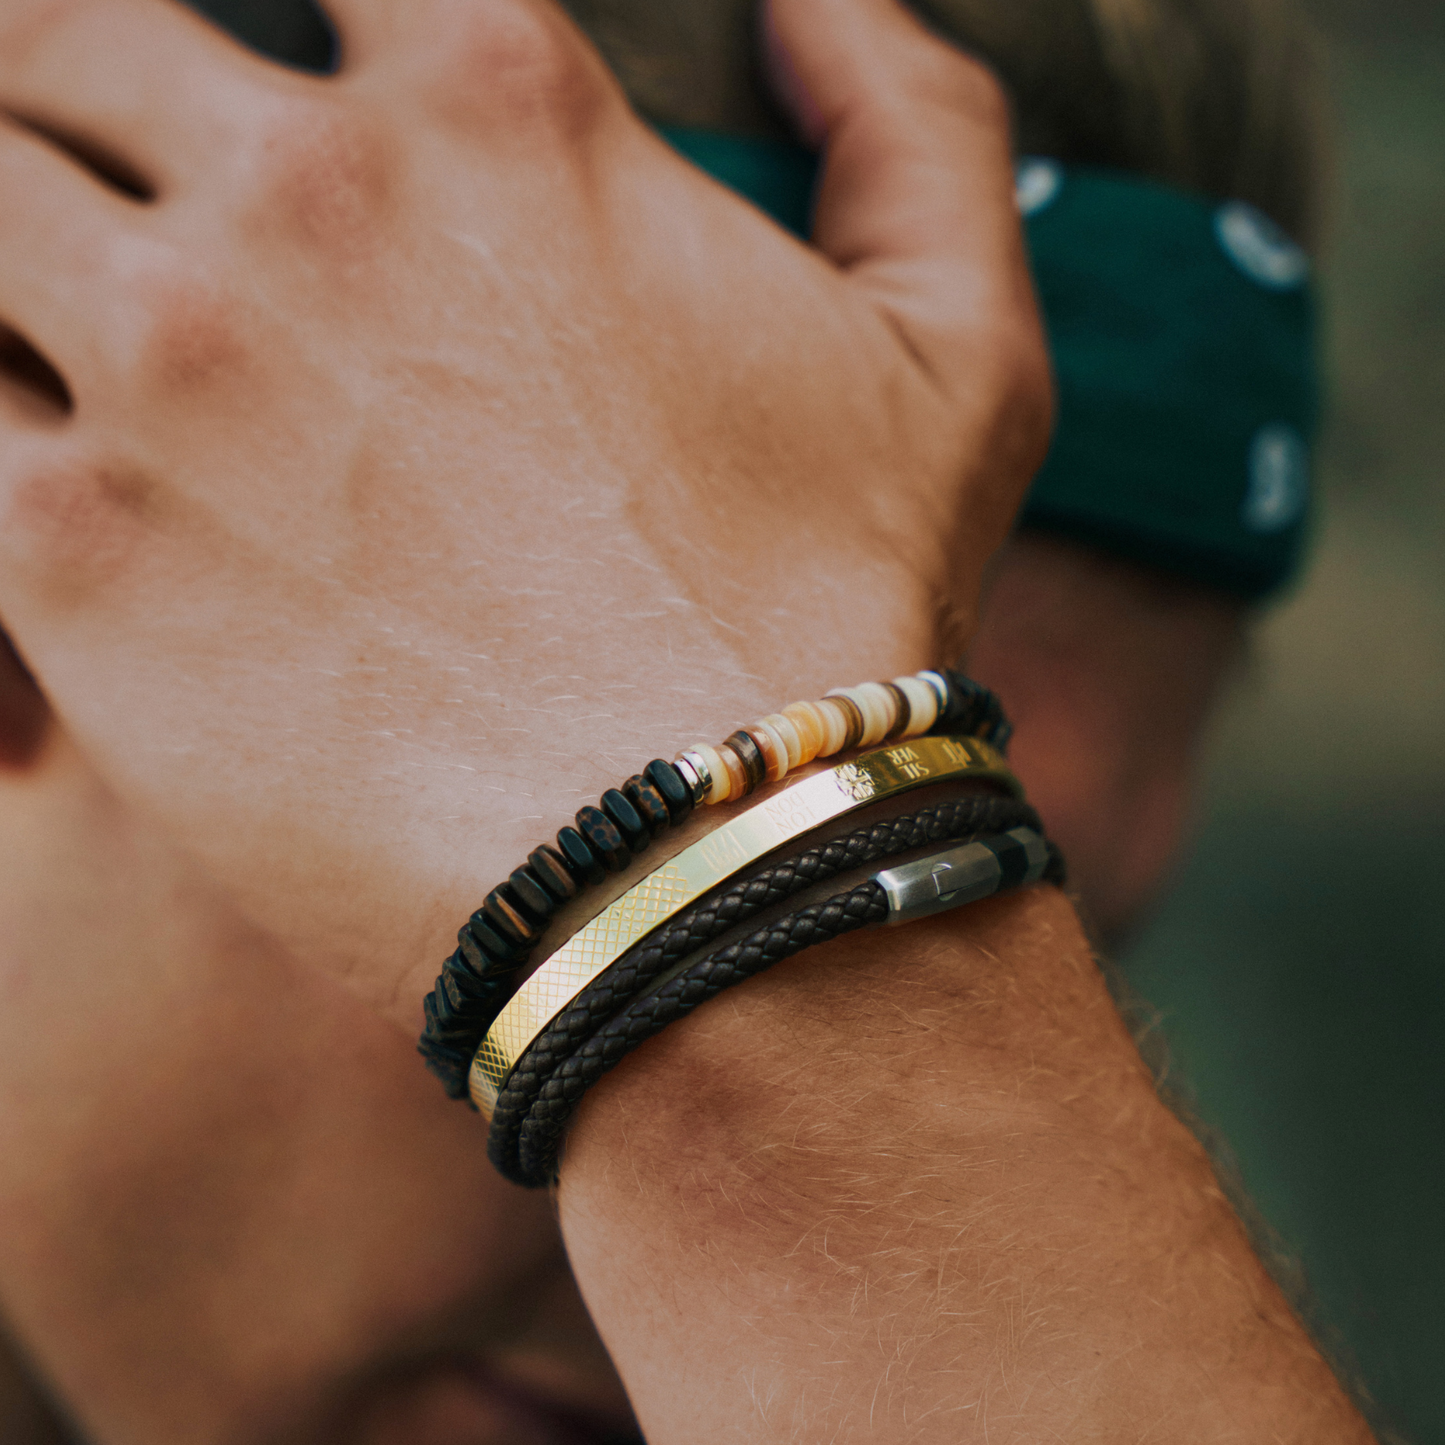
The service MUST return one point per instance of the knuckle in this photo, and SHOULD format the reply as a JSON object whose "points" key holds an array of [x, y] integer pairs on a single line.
{"points": [[74, 526], [980, 92], [523, 66], [1027, 386], [26, 29], [321, 172], [192, 339], [960, 84]]}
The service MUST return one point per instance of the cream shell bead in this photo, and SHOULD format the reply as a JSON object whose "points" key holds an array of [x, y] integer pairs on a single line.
{"points": [[810, 726], [939, 685], [736, 774], [881, 710], [835, 726], [789, 734], [877, 713], [922, 704]]}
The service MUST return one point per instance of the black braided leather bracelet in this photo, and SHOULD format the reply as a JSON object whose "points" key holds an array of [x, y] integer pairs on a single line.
{"points": [[623, 1007], [710, 918]]}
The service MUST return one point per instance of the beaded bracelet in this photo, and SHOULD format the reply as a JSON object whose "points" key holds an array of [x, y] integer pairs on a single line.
{"points": [[498, 939], [845, 718]]}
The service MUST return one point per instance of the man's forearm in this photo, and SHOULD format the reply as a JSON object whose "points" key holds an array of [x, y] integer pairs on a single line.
{"points": [[917, 1185]]}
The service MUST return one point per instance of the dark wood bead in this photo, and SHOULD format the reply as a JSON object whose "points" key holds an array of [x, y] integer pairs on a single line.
{"points": [[648, 803], [586, 866], [754, 764], [503, 913], [442, 1020], [474, 984], [629, 821], [604, 839], [903, 710], [668, 782], [471, 954], [469, 959], [465, 997], [534, 900], [496, 951], [551, 871]]}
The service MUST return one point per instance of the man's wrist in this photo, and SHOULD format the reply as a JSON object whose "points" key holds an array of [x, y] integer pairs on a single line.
{"points": [[922, 1176]]}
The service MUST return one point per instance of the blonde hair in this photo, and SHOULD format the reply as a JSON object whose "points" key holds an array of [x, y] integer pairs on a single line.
{"points": [[1217, 96]]}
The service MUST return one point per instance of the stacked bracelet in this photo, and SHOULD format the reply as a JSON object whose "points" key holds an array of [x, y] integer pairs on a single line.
{"points": [[654, 984], [721, 857], [499, 938]]}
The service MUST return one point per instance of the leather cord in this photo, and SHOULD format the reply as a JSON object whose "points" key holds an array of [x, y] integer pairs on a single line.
{"points": [[620, 1009]]}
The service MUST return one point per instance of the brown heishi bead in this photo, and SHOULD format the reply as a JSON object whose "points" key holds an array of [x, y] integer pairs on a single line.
{"points": [[856, 721], [904, 711], [768, 751], [603, 838], [736, 775], [749, 755], [650, 804]]}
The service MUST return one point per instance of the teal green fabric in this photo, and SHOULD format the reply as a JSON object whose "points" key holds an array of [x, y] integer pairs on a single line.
{"points": [[1183, 341], [776, 176]]}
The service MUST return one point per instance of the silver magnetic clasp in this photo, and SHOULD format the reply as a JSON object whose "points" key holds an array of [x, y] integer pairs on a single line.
{"points": [[961, 874]]}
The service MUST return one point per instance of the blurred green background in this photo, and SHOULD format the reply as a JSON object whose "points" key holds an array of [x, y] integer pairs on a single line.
{"points": [[1299, 966]]}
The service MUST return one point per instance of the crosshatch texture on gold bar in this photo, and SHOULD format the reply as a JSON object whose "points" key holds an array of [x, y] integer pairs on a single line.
{"points": [[790, 813]]}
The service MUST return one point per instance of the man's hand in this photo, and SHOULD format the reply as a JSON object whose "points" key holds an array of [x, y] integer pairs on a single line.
{"points": [[396, 460], [416, 448], [915, 1185]]}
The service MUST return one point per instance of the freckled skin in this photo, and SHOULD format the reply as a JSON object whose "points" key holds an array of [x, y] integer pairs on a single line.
{"points": [[325, 182], [79, 527], [197, 344]]}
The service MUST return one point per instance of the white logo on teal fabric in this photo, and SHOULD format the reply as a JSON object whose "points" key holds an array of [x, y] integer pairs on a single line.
{"points": [[1259, 248], [1036, 184], [1279, 479]]}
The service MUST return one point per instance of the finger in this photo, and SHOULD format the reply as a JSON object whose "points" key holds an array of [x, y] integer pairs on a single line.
{"points": [[369, 30], [917, 198], [144, 92], [24, 713], [32, 392], [62, 236], [491, 62]]}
